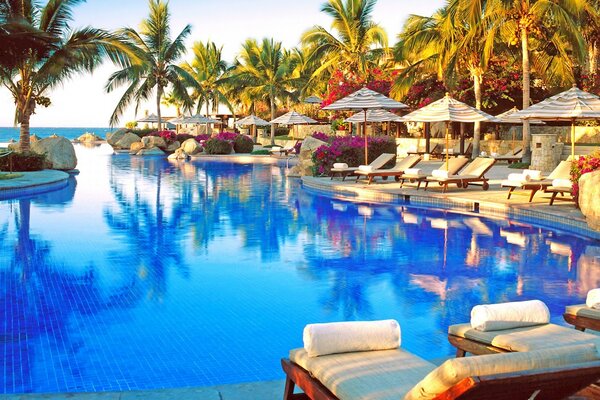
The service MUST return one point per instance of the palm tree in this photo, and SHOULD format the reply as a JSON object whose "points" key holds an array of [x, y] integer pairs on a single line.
{"points": [[549, 32], [157, 69], [357, 44], [207, 69], [262, 72], [48, 53], [171, 100]]}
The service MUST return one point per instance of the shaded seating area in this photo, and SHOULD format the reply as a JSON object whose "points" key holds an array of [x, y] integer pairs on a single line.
{"points": [[343, 170], [474, 173], [358, 364], [512, 156], [535, 183], [416, 175], [396, 172]]}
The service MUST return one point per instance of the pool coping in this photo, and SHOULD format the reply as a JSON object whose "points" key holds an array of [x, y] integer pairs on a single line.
{"points": [[33, 183], [556, 218]]}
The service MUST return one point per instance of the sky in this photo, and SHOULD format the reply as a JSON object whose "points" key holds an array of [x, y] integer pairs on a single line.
{"points": [[82, 101]]}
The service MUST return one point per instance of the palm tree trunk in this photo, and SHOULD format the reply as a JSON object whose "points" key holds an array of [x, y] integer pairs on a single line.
{"points": [[159, 93], [593, 55], [207, 127], [273, 110], [477, 127], [24, 143], [526, 96]]}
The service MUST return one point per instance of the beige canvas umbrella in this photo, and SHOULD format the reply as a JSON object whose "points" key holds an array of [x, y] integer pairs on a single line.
{"points": [[571, 105], [293, 118], [199, 119], [313, 100], [448, 110], [508, 117], [365, 99], [375, 116], [253, 121]]}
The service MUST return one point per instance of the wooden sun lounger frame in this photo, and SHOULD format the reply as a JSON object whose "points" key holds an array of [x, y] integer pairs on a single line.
{"points": [[581, 323], [556, 191], [464, 182], [549, 384], [397, 174], [531, 185]]}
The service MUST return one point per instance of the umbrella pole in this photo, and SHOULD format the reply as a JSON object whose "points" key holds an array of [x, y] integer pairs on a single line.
{"points": [[447, 144], [572, 140], [366, 142]]}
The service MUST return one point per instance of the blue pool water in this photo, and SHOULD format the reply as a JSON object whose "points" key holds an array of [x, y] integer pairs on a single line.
{"points": [[147, 274]]}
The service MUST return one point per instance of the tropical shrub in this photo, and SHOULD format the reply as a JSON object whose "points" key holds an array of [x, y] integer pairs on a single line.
{"points": [[22, 162], [201, 138], [581, 166], [321, 136], [243, 144], [218, 146], [229, 136], [351, 150], [182, 137], [142, 132], [261, 152], [168, 136]]}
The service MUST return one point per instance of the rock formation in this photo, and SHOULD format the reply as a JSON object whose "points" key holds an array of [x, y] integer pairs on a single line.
{"points": [[589, 198], [59, 152]]}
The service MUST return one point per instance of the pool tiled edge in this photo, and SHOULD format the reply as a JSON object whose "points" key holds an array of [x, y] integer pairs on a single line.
{"points": [[33, 183], [556, 220]]}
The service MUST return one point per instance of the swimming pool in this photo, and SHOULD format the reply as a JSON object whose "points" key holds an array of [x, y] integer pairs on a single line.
{"points": [[146, 274]]}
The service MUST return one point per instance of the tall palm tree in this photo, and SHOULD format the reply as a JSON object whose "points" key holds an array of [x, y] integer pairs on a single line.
{"points": [[262, 72], [357, 44], [59, 54], [157, 69], [171, 100], [207, 69]]}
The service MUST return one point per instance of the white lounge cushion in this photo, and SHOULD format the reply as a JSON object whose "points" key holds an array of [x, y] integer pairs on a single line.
{"points": [[454, 370], [413, 171], [593, 299], [365, 168], [340, 165], [492, 317], [372, 375], [518, 177], [352, 336], [562, 183], [582, 310], [532, 174], [439, 173]]}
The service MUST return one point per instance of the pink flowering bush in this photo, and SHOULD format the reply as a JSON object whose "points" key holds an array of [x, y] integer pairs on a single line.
{"points": [[202, 138], [351, 150], [169, 136], [581, 166], [229, 136], [321, 136]]}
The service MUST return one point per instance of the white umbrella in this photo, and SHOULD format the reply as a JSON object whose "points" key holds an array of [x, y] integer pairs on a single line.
{"points": [[571, 105], [200, 119], [293, 118], [448, 110], [313, 100], [151, 119], [375, 116], [253, 121], [365, 99]]}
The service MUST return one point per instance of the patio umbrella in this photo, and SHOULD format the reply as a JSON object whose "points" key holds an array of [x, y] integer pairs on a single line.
{"points": [[448, 110], [571, 105], [313, 100], [375, 116], [200, 119], [293, 118], [508, 117], [253, 121], [365, 99]]}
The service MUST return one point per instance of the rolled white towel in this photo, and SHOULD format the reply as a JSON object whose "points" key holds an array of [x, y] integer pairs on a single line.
{"points": [[517, 177], [413, 171], [439, 173], [566, 183], [339, 165], [483, 154], [346, 337], [494, 154], [532, 174], [365, 168], [495, 317], [593, 299]]}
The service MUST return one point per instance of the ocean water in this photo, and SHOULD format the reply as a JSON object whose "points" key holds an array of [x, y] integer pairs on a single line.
{"points": [[8, 133]]}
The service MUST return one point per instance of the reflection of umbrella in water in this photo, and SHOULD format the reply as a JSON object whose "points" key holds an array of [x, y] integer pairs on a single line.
{"points": [[293, 118], [253, 121], [365, 99], [571, 105], [448, 110]]}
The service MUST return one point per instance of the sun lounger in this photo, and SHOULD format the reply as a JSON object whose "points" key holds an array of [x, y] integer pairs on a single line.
{"points": [[512, 156], [552, 373], [474, 173], [562, 187], [562, 171], [583, 317], [283, 151], [377, 163], [454, 165], [396, 171]]}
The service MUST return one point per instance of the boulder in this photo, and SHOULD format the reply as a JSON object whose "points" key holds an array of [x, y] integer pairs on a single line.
{"points": [[305, 162], [154, 151], [589, 193], [89, 137], [135, 147], [179, 154], [172, 147], [34, 138], [154, 141], [127, 140], [191, 147], [59, 152], [114, 137]]}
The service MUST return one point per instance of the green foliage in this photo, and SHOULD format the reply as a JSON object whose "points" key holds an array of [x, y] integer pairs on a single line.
{"points": [[261, 152], [217, 146], [142, 132], [518, 165], [243, 144], [182, 137], [131, 125], [22, 162], [282, 131]]}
